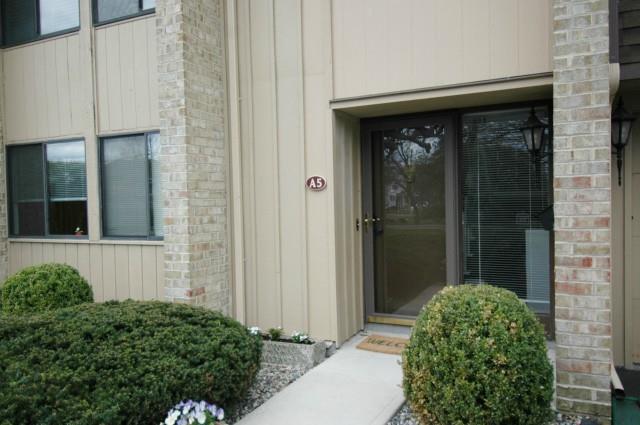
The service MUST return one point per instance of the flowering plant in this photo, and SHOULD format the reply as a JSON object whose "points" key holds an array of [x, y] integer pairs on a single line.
{"points": [[301, 338], [254, 330], [192, 412]]}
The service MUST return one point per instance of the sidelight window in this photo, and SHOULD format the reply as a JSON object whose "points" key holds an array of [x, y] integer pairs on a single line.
{"points": [[507, 206]]}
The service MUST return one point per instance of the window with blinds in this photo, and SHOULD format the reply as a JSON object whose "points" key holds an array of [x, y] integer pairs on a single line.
{"points": [[131, 190], [111, 10], [47, 189], [507, 206], [28, 20]]}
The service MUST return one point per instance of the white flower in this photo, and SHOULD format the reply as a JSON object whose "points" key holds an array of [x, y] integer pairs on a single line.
{"points": [[254, 330], [201, 417], [172, 417], [220, 415]]}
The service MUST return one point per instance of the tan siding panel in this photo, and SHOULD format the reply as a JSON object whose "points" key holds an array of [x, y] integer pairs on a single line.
{"points": [[149, 273], [291, 162], [36, 253], [382, 46], [122, 272], [267, 237], [127, 87], [114, 271], [96, 278], [42, 96], [84, 261], [135, 272]]}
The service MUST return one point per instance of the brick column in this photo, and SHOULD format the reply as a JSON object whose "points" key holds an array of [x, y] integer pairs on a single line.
{"points": [[582, 182], [192, 133]]}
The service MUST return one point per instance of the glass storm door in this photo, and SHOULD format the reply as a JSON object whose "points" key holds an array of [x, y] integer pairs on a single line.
{"points": [[409, 213]]}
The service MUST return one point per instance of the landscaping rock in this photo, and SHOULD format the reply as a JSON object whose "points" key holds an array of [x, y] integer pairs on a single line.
{"points": [[271, 379]]}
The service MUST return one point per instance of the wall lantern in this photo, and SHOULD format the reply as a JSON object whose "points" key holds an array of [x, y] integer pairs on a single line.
{"points": [[621, 123], [533, 132]]}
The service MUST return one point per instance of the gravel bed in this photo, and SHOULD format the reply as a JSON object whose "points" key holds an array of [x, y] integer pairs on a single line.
{"points": [[270, 380], [404, 416]]}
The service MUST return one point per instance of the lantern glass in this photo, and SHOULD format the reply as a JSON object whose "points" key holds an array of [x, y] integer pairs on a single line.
{"points": [[533, 133]]}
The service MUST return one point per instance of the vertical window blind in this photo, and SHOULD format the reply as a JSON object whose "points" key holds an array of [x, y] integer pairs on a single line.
{"points": [[58, 15], [108, 10], [507, 207], [131, 186]]}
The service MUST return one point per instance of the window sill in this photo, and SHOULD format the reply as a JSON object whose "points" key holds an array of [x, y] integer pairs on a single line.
{"points": [[86, 241], [42, 39]]}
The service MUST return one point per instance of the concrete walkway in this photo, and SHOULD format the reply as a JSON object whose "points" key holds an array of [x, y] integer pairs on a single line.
{"points": [[352, 387]]}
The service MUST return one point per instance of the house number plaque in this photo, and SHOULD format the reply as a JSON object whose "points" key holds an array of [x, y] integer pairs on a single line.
{"points": [[316, 183]]}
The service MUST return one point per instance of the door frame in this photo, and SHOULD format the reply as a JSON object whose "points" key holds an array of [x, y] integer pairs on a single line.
{"points": [[453, 188], [453, 222]]}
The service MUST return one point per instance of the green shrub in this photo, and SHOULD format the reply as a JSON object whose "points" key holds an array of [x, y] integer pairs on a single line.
{"points": [[120, 363], [44, 287], [478, 356]]}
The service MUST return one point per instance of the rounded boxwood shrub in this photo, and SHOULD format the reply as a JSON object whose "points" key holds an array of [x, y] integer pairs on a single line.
{"points": [[478, 356], [120, 363], [44, 287]]}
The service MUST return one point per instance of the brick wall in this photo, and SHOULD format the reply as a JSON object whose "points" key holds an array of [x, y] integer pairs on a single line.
{"points": [[582, 193], [192, 101]]}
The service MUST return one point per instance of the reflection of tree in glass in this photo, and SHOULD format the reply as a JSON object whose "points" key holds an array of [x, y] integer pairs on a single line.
{"points": [[413, 174]]}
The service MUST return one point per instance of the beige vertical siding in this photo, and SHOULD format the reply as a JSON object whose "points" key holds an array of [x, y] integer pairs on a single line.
{"points": [[301, 265], [346, 142], [43, 90], [115, 272], [126, 76], [285, 135], [382, 46]]}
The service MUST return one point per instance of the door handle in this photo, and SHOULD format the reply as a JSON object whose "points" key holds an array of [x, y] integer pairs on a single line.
{"points": [[366, 221]]}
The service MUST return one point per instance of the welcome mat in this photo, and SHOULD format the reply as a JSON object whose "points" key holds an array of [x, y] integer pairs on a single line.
{"points": [[383, 344]]}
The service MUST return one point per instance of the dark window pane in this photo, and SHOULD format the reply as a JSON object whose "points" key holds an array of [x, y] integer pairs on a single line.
{"points": [[26, 190], [125, 187], [507, 198], [113, 9], [67, 188], [156, 201], [68, 218], [19, 21], [58, 15]]}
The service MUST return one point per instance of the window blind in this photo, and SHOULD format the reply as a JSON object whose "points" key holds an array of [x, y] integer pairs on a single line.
{"points": [[58, 15], [157, 201], [66, 174], [506, 196], [125, 186], [114, 9]]}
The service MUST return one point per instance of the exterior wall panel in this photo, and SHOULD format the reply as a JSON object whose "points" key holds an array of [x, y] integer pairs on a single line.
{"points": [[127, 76], [285, 135], [43, 90], [115, 272], [381, 46]]}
